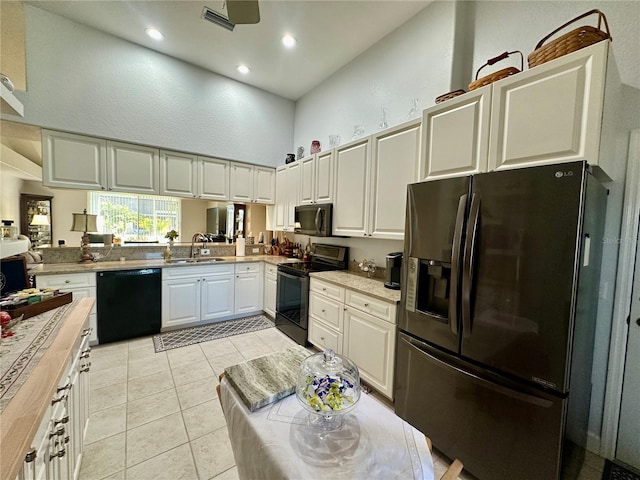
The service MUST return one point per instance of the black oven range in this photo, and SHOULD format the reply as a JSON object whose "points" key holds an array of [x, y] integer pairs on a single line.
{"points": [[292, 298]]}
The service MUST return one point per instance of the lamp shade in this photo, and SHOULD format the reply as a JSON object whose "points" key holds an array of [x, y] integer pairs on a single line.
{"points": [[39, 220], [84, 222]]}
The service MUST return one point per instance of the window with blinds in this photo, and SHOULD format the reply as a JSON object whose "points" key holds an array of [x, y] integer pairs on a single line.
{"points": [[141, 218]]}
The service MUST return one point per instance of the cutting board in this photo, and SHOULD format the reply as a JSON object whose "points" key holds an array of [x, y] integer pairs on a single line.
{"points": [[267, 379]]}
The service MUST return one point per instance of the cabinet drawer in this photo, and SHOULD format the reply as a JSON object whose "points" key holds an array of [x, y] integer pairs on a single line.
{"points": [[271, 270], [323, 336], [373, 306], [248, 267], [328, 289], [326, 309], [67, 281]]}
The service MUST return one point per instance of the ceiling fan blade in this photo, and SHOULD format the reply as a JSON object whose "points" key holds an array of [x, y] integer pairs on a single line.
{"points": [[243, 11]]}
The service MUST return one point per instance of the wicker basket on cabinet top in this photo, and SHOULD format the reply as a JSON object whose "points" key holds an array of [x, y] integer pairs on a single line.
{"points": [[500, 74], [569, 42]]}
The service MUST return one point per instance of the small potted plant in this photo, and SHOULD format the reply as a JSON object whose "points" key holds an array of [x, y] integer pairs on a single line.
{"points": [[171, 235]]}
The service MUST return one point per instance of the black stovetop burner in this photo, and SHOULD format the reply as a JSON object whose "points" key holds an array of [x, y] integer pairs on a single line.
{"points": [[305, 268]]}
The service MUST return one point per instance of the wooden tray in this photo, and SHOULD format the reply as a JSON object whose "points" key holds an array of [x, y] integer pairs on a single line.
{"points": [[41, 306]]}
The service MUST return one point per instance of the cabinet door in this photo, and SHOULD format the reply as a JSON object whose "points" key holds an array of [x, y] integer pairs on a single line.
{"points": [[370, 343], [292, 192], [551, 113], [395, 159], [323, 182], [133, 168], [180, 302], [351, 202], [73, 161], [270, 287], [217, 297], [455, 136], [248, 294], [178, 174], [282, 198], [264, 190], [213, 182], [307, 180], [241, 182]]}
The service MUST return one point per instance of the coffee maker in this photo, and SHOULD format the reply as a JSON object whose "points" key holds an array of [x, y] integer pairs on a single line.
{"points": [[394, 268]]}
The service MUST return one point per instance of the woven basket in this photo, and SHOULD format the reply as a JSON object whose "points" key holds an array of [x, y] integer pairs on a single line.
{"points": [[494, 77], [449, 96], [569, 42]]}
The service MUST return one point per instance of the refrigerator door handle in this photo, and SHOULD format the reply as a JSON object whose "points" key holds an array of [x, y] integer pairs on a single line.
{"points": [[455, 264], [468, 264], [488, 384]]}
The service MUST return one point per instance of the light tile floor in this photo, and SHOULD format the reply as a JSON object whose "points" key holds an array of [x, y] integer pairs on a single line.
{"points": [[156, 415]]}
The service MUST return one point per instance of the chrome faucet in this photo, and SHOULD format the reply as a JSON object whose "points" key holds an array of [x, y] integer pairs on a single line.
{"points": [[196, 238]]}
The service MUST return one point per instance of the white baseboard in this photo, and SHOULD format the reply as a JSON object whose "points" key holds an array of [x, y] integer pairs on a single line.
{"points": [[593, 443]]}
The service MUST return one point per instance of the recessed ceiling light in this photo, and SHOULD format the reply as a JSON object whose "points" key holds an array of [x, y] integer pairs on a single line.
{"points": [[153, 33], [288, 41], [243, 69]]}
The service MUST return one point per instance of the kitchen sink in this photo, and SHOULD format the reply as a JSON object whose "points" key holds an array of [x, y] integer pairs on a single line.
{"points": [[196, 260]]}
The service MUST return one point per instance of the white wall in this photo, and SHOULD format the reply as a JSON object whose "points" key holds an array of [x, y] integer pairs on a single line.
{"points": [[85, 81], [414, 61], [10, 197]]}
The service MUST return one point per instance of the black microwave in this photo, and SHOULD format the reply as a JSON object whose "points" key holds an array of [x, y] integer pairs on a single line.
{"points": [[314, 220]]}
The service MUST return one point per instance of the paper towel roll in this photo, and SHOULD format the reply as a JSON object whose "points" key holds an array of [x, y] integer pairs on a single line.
{"points": [[240, 242]]}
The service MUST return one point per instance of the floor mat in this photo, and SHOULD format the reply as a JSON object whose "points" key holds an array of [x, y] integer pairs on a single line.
{"points": [[204, 333], [616, 471]]}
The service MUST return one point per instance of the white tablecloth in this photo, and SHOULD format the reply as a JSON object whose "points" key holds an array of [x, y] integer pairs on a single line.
{"points": [[277, 442]]}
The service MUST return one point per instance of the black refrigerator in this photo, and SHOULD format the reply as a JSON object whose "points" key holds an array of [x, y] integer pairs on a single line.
{"points": [[497, 317]]}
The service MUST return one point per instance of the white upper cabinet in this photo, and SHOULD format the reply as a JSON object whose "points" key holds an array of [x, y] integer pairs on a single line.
{"points": [[395, 158], [73, 161], [241, 182], [561, 111], [287, 196], [133, 168], [251, 183], [307, 180], [178, 174], [455, 136], [264, 185], [551, 113], [351, 201], [213, 181], [316, 178]]}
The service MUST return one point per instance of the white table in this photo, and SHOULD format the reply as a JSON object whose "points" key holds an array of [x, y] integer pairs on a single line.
{"points": [[277, 442]]}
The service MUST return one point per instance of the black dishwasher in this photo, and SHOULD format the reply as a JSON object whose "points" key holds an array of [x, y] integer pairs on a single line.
{"points": [[129, 304]]}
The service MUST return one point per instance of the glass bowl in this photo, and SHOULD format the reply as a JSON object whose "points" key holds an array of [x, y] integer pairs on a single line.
{"points": [[328, 387]]}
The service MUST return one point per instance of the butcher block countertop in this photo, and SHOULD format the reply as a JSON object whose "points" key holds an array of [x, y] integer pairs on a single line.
{"points": [[23, 414], [367, 286], [57, 268]]}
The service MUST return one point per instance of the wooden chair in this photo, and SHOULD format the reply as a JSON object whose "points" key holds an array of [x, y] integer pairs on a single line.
{"points": [[454, 469], [451, 474]]}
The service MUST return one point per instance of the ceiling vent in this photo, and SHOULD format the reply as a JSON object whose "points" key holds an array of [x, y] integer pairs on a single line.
{"points": [[216, 18]]}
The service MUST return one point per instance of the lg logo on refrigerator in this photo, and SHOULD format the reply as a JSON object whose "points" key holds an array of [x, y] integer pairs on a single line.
{"points": [[560, 174]]}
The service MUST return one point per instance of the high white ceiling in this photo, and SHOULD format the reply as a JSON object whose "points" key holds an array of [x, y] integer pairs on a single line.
{"points": [[329, 34]]}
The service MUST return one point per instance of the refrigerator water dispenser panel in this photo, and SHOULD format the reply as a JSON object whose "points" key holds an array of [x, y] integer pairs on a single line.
{"points": [[428, 285]]}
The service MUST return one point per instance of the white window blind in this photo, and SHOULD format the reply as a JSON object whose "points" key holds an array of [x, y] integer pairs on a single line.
{"points": [[132, 217]]}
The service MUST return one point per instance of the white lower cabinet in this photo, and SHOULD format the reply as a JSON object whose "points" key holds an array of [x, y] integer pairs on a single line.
{"points": [[270, 289], [193, 295], [82, 285], [210, 293], [358, 326], [58, 445], [249, 292]]}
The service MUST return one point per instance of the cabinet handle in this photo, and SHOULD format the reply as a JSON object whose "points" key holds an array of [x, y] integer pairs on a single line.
{"points": [[59, 399], [321, 338], [64, 419], [60, 453], [87, 350], [85, 369], [67, 281], [366, 304], [324, 289], [86, 332], [323, 311], [86, 355], [31, 455], [58, 432], [66, 387]]}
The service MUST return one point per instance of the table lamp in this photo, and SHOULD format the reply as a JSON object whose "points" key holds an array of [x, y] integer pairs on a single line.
{"points": [[39, 220], [85, 222]]}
